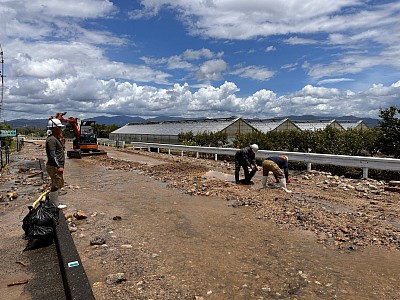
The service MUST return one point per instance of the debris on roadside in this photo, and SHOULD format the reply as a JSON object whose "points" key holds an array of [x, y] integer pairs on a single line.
{"points": [[19, 282], [12, 195], [394, 186], [80, 215]]}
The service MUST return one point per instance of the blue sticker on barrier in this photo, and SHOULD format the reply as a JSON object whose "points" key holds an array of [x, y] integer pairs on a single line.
{"points": [[73, 264]]}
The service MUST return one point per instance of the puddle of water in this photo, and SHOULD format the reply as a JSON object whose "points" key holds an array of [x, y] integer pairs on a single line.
{"points": [[227, 177], [219, 175]]}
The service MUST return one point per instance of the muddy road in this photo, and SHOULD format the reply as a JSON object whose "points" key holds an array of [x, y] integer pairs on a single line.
{"points": [[178, 228], [176, 240]]}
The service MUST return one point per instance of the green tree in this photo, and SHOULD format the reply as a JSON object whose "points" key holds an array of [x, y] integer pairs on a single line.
{"points": [[389, 127], [103, 130]]}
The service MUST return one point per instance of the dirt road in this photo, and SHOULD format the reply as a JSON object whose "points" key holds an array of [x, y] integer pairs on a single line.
{"points": [[186, 246], [178, 233]]}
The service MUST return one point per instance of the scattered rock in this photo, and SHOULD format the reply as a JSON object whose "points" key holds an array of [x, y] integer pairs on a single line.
{"points": [[80, 215], [12, 195], [97, 241], [115, 278]]}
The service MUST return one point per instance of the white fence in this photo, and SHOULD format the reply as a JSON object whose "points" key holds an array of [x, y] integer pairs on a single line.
{"points": [[363, 162]]}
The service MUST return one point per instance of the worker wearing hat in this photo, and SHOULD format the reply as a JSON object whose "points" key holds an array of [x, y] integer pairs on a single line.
{"points": [[246, 158], [55, 158], [275, 164]]}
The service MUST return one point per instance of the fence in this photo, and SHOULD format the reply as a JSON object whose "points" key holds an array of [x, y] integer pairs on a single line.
{"points": [[4, 156], [5, 152], [363, 162]]}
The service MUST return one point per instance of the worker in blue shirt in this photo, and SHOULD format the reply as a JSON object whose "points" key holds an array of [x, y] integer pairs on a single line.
{"points": [[276, 164]]}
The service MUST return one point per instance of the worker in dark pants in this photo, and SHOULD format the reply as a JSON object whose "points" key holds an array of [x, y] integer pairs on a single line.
{"points": [[246, 158], [55, 159]]}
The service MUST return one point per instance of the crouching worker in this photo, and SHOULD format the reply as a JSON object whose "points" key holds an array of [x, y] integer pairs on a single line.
{"points": [[246, 158], [275, 164], [55, 159]]}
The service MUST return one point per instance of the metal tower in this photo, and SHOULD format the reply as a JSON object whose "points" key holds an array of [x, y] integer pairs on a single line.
{"points": [[2, 84]]}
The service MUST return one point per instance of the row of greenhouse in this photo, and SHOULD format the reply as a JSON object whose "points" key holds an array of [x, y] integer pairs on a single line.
{"points": [[166, 132]]}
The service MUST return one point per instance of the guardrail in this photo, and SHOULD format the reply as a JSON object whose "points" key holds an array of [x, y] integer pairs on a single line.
{"points": [[363, 162]]}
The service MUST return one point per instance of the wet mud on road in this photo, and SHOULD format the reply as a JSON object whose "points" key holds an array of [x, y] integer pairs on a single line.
{"points": [[172, 245]]}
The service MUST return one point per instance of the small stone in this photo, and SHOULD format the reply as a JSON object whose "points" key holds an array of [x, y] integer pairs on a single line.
{"points": [[80, 215], [115, 278], [97, 241]]}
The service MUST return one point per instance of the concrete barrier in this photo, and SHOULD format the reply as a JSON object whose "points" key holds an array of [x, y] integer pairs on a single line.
{"points": [[76, 283]]}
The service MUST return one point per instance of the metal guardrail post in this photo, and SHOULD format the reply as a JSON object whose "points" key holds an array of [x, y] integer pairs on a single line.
{"points": [[365, 172]]}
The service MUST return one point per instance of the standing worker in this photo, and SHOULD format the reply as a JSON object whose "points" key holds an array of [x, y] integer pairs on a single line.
{"points": [[275, 164], [55, 159], [246, 158]]}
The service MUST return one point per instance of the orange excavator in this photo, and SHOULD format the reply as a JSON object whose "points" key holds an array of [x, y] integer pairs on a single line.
{"points": [[85, 140]]}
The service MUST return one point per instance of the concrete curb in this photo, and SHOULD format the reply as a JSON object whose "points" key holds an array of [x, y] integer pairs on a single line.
{"points": [[76, 283]]}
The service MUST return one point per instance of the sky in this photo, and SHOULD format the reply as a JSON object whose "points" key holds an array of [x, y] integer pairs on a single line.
{"points": [[205, 58]]}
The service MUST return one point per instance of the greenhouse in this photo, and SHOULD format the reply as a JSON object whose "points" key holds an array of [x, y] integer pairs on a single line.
{"points": [[318, 125], [360, 125], [266, 125], [167, 132]]}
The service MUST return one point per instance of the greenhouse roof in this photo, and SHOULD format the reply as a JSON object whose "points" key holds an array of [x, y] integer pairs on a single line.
{"points": [[314, 124], [266, 124], [175, 127], [350, 124]]}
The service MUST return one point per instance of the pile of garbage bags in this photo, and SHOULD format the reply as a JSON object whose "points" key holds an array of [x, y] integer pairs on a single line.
{"points": [[39, 224]]}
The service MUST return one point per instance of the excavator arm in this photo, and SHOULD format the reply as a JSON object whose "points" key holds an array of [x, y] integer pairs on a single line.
{"points": [[85, 143], [73, 121]]}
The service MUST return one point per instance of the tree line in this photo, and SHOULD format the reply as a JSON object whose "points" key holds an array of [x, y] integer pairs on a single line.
{"points": [[383, 140]]}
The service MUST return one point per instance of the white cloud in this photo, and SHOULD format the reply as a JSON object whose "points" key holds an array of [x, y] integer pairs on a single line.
{"points": [[236, 19], [26, 66], [290, 67], [191, 54], [300, 41], [211, 70], [44, 20], [334, 80], [270, 49], [254, 72], [70, 8], [82, 95]]}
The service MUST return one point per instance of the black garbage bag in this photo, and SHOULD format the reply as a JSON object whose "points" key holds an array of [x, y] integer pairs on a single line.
{"points": [[39, 225]]}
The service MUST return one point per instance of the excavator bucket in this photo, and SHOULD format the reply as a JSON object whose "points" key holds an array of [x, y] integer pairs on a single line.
{"points": [[77, 153], [74, 153]]}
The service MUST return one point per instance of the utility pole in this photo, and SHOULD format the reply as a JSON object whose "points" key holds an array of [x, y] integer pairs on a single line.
{"points": [[2, 84]]}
